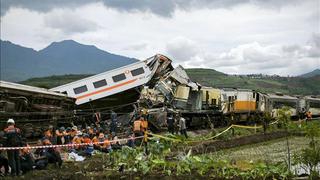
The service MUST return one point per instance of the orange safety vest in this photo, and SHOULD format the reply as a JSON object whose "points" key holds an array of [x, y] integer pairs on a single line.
{"points": [[309, 115], [95, 140], [86, 140], [106, 143], [77, 140], [144, 125], [137, 125]]}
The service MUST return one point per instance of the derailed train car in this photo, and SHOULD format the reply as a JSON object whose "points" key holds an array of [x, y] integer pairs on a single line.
{"points": [[32, 108], [309, 103], [239, 104], [155, 85], [272, 103]]}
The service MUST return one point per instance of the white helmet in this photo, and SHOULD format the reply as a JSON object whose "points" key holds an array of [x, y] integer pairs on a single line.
{"points": [[10, 121]]}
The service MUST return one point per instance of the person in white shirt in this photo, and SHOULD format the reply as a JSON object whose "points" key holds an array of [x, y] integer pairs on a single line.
{"points": [[183, 127]]}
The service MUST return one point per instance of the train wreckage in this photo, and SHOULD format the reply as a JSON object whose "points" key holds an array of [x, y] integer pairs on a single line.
{"points": [[154, 85]]}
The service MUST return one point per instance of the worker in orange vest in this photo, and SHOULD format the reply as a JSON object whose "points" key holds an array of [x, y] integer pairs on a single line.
{"points": [[144, 124], [13, 139], [106, 146], [137, 127], [309, 115], [77, 140]]}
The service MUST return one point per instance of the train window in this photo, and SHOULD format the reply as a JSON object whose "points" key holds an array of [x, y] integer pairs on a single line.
{"points": [[64, 92], [100, 83], [137, 72], [254, 95], [80, 89], [119, 77], [235, 97], [314, 105]]}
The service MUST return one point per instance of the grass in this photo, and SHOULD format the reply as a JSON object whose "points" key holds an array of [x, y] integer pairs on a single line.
{"points": [[272, 151]]}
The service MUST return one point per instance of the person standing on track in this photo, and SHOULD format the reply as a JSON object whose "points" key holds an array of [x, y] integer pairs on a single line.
{"points": [[182, 125], [13, 139], [113, 126], [170, 123]]}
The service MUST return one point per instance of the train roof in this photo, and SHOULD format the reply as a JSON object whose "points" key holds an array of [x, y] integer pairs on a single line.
{"points": [[281, 96], [238, 89], [21, 87], [97, 75], [313, 98]]}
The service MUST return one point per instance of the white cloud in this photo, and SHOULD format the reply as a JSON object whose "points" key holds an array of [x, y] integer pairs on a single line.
{"points": [[252, 58], [68, 22], [241, 38], [182, 49]]}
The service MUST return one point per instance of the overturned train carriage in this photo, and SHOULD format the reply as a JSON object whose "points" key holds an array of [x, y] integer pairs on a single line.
{"points": [[272, 103], [118, 89], [309, 103], [32, 108]]}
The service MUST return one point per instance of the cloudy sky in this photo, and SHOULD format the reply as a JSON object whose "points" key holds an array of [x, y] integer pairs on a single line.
{"points": [[232, 36]]}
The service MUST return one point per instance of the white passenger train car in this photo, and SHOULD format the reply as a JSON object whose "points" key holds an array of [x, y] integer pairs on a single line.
{"points": [[107, 83]]}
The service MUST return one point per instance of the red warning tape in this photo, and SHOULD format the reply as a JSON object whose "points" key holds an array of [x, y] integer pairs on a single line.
{"points": [[66, 145]]}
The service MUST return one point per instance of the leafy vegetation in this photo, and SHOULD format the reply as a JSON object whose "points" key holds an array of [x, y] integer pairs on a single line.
{"points": [[309, 158], [206, 165]]}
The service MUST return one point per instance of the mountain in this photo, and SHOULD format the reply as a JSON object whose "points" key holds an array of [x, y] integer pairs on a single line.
{"points": [[311, 74], [66, 57]]}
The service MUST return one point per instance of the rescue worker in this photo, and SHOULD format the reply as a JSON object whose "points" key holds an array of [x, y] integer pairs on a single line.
{"points": [[73, 132], [41, 161], [26, 158], [113, 126], [77, 140], [67, 135], [182, 125], [13, 139], [144, 124], [60, 133], [50, 134], [144, 129], [106, 146], [88, 150], [309, 115], [137, 129], [91, 132], [170, 123], [3, 160], [52, 154]]}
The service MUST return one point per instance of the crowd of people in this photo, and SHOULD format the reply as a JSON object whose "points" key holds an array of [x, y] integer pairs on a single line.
{"points": [[95, 137], [77, 139]]}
